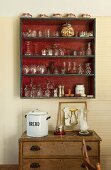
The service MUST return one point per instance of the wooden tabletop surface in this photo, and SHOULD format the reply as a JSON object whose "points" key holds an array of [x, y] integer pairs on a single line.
{"points": [[69, 136]]}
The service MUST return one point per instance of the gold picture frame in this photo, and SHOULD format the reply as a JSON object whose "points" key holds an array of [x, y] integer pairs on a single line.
{"points": [[68, 114]]}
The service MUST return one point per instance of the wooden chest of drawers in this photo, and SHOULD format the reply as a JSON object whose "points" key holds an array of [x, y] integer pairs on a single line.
{"points": [[56, 152]]}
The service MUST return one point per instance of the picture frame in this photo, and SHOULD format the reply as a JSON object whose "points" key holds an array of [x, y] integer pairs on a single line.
{"points": [[68, 114]]}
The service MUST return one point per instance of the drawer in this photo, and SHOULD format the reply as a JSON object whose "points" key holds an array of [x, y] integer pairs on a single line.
{"points": [[58, 149], [54, 164]]}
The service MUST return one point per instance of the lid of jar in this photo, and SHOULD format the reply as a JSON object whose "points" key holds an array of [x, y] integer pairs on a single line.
{"points": [[37, 112], [80, 85]]}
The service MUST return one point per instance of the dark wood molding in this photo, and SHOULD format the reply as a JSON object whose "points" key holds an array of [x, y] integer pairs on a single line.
{"points": [[9, 167]]}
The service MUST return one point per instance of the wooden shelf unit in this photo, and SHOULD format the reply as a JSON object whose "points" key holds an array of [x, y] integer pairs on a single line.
{"points": [[69, 44]]}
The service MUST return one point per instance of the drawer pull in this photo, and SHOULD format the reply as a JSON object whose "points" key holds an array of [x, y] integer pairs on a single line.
{"points": [[83, 165], [88, 148], [34, 165], [35, 148]]}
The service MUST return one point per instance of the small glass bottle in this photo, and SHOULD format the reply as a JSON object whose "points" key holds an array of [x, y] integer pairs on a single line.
{"points": [[89, 50], [69, 67], [62, 91], [36, 49], [55, 92], [74, 68], [34, 91], [80, 69], [64, 68]]}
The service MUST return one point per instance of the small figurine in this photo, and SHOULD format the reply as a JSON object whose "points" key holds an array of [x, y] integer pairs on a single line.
{"points": [[86, 16], [26, 15], [43, 16], [56, 15], [71, 15]]}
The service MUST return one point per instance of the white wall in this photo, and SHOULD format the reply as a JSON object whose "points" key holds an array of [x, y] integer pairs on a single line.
{"points": [[12, 108], [35, 7]]}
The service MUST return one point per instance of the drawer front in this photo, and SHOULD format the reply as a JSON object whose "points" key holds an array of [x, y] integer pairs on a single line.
{"points": [[54, 164], [58, 149]]}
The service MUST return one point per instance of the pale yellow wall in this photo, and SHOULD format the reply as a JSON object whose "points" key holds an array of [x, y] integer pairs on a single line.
{"points": [[35, 7], [12, 108]]}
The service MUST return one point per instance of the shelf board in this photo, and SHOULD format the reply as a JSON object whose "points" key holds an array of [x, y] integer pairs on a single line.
{"points": [[58, 38], [44, 97], [61, 56], [87, 75], [58, 18]]}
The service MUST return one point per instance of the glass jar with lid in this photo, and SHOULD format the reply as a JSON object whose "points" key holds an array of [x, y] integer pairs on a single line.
{"points": [[80, 90]]}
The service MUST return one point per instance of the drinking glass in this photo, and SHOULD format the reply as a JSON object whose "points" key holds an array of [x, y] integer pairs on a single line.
{"points": [[39, 91], [33, 91], [47, 92], [40, 33], [49, 51], [42, 69], [61, 51], [33, 69], [25, 69], [44, 52], [47, 33]]}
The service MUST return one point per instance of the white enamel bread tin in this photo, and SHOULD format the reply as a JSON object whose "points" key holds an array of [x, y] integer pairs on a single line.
{"points": [[37, 123]]}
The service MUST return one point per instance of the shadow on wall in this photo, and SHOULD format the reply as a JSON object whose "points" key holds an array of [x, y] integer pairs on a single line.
{"points": [[16, 55]]}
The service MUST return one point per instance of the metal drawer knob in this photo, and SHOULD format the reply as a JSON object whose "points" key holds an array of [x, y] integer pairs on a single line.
{"points": [[88, 148], [34, 165], [35, 148]]}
